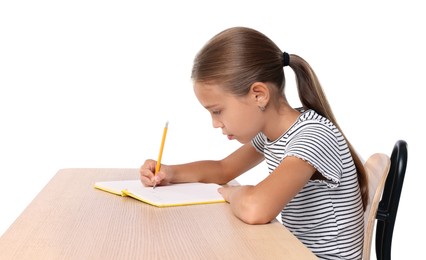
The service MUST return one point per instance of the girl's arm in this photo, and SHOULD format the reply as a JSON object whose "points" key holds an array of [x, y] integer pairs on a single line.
{"points": [[262, 203], [209, 171]]}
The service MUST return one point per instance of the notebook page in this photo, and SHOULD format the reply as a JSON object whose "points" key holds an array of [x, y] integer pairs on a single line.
{"points": [[166, 196]]}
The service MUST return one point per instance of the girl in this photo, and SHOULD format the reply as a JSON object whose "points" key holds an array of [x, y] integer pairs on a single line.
{"points": [[316, 179]]}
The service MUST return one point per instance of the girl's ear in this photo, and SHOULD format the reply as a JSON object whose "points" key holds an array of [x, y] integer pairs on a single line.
{"points": [[259, 91]]}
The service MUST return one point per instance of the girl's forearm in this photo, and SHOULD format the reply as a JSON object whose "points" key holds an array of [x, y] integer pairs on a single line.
{"points": [[208, 171], [245, 204]]}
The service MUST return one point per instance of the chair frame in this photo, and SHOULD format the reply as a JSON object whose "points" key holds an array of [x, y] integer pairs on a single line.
{"points": [[388, 206], [377, 169]]}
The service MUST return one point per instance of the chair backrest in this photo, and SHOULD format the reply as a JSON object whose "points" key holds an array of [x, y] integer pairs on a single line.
{"points": [[377, 168], [388, 206]]}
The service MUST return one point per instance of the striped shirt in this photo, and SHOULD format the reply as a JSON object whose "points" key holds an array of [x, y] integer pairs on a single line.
{"points": [[326, 215]]}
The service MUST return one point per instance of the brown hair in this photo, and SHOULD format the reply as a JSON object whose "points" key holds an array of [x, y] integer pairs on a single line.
{"points": [[238, 57]]}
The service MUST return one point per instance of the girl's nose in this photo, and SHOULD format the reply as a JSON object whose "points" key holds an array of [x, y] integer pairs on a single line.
{"points": [[217, 124]]}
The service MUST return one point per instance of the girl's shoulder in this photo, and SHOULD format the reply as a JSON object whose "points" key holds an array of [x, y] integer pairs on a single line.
{"points": [[310, 116]]}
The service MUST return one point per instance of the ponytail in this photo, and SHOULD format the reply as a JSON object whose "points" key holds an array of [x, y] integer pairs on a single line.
{"points": [[312, 96]]}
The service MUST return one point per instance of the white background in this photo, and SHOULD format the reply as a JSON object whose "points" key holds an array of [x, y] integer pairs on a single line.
{"points": [[91, 84]]}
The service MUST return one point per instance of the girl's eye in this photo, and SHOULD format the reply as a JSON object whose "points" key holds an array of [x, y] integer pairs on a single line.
{"points": [[216, 112]]}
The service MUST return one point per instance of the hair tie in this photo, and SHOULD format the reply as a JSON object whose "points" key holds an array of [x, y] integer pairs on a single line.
{"points": [[286, 59]]}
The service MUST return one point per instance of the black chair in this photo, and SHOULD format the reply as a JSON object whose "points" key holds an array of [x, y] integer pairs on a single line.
{"points": [[388, 206]]}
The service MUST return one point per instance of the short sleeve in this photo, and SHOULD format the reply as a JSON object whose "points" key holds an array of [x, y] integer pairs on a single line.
{"points": [[318, 145]]}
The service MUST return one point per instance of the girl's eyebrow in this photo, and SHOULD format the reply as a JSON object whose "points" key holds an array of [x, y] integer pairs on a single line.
{"points": [[210, 106]]}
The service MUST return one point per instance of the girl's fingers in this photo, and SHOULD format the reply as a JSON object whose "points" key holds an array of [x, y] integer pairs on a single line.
{"points": [[146, 173], [147, 176]]}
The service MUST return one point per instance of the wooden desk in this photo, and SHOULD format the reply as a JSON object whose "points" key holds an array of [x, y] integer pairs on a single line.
{"points": [[70, 219]]}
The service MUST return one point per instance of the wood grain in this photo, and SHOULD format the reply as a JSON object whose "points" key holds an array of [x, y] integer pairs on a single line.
{"points": [[70, 219]]}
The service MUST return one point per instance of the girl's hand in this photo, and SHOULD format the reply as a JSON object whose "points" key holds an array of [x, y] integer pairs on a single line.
{"points": [[227, 192], [147, 177]]}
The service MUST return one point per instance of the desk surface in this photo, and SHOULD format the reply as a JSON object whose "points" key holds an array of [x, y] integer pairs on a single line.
{"points": [[70, 219]]}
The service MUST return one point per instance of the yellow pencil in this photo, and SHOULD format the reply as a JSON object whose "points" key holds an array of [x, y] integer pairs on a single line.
{"points": [[163, 140]]}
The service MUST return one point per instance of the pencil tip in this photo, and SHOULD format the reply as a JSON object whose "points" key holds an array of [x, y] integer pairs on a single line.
{"points": [[167, 123]]}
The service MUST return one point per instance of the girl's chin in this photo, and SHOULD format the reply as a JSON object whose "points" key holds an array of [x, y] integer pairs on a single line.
{"points": [[231, 138]]}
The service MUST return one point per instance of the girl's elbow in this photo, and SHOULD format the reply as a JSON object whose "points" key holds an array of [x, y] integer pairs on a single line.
{"points": [[254, 220], [255, 214]]}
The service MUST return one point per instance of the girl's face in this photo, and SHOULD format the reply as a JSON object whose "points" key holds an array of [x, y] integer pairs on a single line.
{"points": [[238, 117]]}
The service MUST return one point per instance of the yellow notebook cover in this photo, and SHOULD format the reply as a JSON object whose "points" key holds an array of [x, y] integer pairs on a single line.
{"points": [[164, 196]]}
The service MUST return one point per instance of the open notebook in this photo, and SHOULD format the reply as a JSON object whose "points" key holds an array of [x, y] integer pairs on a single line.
{"points": [[164, 196]]}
